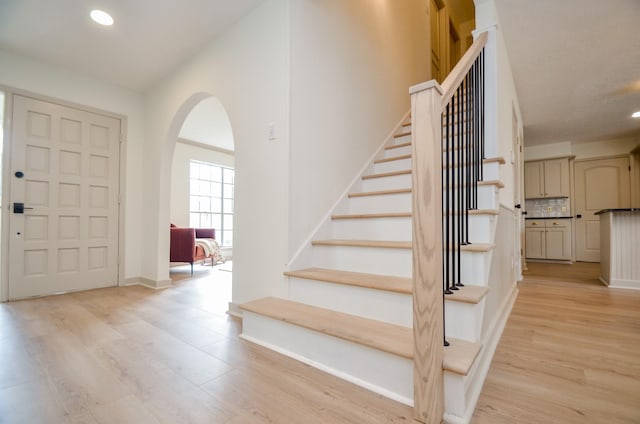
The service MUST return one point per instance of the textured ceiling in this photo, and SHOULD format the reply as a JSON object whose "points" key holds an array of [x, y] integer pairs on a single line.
{"points": [[576, 64], [149, 39]]}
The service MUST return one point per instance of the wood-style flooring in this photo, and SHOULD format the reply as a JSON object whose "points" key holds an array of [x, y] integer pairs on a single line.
{"points": [[569, 354]]}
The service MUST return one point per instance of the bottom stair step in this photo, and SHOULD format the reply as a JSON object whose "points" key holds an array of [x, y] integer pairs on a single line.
{"points": [[390, 338], [372, 354]]}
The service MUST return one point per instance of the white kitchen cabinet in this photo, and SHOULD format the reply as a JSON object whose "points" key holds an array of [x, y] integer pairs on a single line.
{"points": [[546, 178], [548, 239]]}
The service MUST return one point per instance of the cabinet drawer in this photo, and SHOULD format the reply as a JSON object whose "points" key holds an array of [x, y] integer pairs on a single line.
{"points": [[558, 223], [534, 223]]}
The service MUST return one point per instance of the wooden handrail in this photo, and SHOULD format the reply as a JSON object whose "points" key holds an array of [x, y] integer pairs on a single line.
{"points": [[459, 72]]}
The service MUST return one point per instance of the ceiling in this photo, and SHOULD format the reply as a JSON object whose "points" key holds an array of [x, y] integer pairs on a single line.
{"points": [[576, 65], [149, 39]]}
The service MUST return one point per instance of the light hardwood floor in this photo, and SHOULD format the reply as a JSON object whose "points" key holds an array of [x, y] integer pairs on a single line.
{"points": [[134, 355], [570, 352]]}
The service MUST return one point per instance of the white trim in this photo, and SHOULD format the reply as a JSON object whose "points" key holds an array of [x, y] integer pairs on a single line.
{"points": [[327, 216], [616, 283], [206, 146], [145, 282], [234, 310]]}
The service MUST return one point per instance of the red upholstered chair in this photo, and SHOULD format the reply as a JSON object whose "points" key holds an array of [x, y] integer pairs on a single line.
{"points": [[183, 244]]}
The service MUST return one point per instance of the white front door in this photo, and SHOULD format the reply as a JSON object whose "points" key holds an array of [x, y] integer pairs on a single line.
{"points": [[599, 184], [65, 173]]}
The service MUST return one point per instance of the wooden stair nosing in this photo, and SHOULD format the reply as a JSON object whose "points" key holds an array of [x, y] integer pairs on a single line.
{"points": [[373, 215], [498, 160], [396, 146], [390, 283], [383, 160], [364, 243], [460, 356], [478, 212], [403, 134], [390, 338], [497, 183], [468, 294], [386, 174], [380, 193]]}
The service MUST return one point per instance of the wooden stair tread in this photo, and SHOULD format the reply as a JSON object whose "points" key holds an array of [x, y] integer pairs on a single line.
{"points": [[389, 283], [396, 146], [477, 247], [402, 134], [382, 336], [496, 183], [380, 193], [387, 174], [383, 160], [460, 355], [373, 215], [468, 294], [364, 243]]}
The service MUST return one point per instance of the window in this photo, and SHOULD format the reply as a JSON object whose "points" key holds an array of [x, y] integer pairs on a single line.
{"points": [[211, 199]]}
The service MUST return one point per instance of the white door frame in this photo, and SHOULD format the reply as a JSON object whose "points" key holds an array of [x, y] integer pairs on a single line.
{"points": [[6, 178]]}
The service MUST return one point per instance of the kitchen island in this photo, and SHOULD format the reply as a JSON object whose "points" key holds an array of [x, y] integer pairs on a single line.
{"points": [[620, 247]]}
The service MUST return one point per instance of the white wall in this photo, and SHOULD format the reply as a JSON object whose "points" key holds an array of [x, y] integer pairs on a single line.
{"points": [[183, 154], [352, 63], [247, 69], [26, 74]]}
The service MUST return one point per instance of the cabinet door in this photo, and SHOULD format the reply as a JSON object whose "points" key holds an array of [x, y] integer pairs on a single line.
{"points": [[556, 178], [533, 180], [535, 243], [558, 240]]}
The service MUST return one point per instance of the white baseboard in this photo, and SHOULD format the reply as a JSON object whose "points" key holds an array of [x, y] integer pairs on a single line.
{"points": [[234, 310], [152, 284], [622, 284]]}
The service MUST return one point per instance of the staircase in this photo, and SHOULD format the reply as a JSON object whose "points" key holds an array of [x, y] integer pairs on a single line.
{"points": [[350, 305]]}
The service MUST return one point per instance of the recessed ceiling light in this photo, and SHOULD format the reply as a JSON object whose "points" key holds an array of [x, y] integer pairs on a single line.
{"points": [[101, 17], [636, 114]]}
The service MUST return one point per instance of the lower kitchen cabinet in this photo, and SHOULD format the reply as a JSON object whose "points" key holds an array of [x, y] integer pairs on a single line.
{"points": [[548, 239]]}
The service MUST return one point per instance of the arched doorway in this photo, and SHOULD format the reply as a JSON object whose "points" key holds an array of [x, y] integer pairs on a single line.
{"points": [[202, 196]]}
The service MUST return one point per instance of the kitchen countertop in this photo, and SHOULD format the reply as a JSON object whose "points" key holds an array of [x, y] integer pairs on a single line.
{"points": [[617, 210], [549, 217]]}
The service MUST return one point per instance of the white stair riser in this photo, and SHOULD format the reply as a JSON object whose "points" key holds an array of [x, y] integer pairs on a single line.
{"points": [[370, 260], [404, 139], [490, 171], [487, 198], [463, 320], [394, 165], [398, 151], [387, 183], [480, 228], [474, 266], [395, 308], [398, 202], [397, 229], [353, 362]]}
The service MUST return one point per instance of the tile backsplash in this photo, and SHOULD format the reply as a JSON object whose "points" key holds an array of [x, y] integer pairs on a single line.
{"points": [[540, 208]]}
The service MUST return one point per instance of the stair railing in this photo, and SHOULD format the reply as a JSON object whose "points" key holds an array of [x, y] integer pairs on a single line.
{"points": [[447, 145]]}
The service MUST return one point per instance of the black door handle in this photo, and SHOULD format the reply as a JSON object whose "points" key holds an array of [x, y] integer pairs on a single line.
{"points": [[19, 207]]}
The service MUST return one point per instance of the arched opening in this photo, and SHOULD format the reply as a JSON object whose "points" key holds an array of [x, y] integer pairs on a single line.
{"points": [[202, 199]]}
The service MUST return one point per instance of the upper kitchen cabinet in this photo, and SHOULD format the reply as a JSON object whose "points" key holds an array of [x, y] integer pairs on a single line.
{"points": [[546, 178]]}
